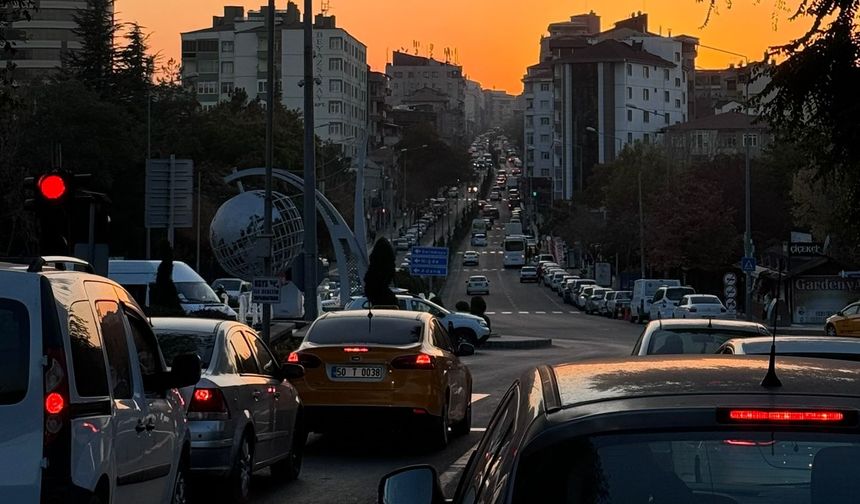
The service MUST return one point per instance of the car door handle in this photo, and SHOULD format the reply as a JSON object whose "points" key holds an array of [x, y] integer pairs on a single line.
{"points": [[256, 395]]}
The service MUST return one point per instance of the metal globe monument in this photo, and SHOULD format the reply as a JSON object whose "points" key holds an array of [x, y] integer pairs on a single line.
{"points": [[238, 226]]}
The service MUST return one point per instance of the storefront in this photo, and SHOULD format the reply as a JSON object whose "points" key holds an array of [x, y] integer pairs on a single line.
{"points": [[814, 298]]}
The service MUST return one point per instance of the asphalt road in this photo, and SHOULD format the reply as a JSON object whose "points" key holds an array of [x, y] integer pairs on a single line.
{"points": [[346, 467]]}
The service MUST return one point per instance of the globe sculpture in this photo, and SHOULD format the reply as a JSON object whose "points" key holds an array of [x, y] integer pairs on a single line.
{"points": [[238, 224]]}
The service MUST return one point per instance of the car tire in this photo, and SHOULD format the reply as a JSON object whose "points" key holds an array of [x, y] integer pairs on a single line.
{"points": [[467, 335], [290, 467], [830, 330], [180, 484], [238, 482], [438, 429], [464, 426]]}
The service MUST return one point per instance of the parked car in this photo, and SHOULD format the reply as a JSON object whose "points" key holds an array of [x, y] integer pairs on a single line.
{"points": [[549, 275], [495, 196], [822, 347], [693, 336], [563, 282], [463, 326], [528, 274], [401, 244], [584, 294], [556, 279], [603, 306], [233, 287], [700, 306], [661, 430], [477, 284], [845, 322], [453, 193], [398, 367], [617, 303], [479, 240], [87, 402], [574, 288], [243, 413], [470, 258], [595, 300], [643, 294], [665, 301]]}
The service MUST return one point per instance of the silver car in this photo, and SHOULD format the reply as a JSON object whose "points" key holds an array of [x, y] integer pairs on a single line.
{"points": [[243, 413]]}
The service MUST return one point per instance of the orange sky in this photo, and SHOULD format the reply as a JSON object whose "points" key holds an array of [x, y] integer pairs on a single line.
{"points": [[495, 39]]}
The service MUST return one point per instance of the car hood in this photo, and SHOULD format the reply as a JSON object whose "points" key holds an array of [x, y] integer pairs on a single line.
{"points": [[463, 316]]}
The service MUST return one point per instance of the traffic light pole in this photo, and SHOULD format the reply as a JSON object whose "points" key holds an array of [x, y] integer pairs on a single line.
{"points": [[310, 209], [267, 205]]}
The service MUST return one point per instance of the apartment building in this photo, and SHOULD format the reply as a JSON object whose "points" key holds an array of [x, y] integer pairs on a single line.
{"points": [[538, 121]]}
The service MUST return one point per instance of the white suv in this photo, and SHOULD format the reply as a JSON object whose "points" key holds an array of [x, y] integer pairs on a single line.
{"points": [[89, 411]]}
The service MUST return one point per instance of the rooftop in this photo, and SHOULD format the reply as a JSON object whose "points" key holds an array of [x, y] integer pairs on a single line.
{"points": [[724, 121], [613, 50]]}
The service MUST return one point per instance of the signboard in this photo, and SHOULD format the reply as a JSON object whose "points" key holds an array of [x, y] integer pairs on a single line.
{"points": [[730, 289], [748, 264], [814, 298], [169, 193], [429, 261], [803, 249], [603, 274], [266, 290]]}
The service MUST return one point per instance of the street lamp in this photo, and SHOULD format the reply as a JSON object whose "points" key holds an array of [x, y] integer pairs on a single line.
{"points": [[641, 211]]}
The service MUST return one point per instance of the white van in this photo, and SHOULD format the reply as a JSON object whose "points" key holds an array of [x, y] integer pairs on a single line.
{"points": [[195, 295], [643, 294]]}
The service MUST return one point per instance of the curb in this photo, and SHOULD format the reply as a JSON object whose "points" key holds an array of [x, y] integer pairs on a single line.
{"points": [[516, 343]]}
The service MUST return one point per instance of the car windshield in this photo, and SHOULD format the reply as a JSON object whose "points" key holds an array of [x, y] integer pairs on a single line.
{"points": [[175, 342], [14, 351], [376, 330], [694, 341], [195, 292], [230, 285], [736, 467], [623, 295], [528, 269]]}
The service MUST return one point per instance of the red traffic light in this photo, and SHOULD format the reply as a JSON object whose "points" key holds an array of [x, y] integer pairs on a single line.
{"points": [[52, 187]]}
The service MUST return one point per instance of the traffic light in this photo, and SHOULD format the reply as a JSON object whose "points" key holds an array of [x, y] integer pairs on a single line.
{"points": [[534, 194], [49, 190], [52, 197]]}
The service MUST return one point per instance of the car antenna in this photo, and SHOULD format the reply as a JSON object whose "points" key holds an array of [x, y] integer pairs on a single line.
{"points": [[710, 322], [369, 318], [770, 379]]}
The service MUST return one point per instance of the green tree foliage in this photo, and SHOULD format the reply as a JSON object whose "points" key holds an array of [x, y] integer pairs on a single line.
{"points": [[380, 273], [430, 168]]}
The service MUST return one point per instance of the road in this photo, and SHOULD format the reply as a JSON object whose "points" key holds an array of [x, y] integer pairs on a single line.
{"points": [[346, 467]]}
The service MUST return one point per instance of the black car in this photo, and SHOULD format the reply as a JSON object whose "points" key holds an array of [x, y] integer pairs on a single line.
{"points": [[662, 430]]}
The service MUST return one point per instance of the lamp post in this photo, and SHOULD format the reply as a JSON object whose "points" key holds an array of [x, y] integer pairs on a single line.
{"points": [[641, 209]]}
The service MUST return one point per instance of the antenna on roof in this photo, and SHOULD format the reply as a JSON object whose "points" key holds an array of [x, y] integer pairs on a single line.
{"points": [[770, 379], [369, 318]]}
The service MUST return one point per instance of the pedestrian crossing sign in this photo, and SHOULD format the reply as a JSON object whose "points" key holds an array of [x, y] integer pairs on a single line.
{"points": [[748, 264]]}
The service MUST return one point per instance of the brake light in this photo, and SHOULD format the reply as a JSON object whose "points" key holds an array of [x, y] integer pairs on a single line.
{"points": [[293, 358], [309, 361], [744, 442], [54, 403], [207, 404], [420, 361], [356, 349], [786, 416]]}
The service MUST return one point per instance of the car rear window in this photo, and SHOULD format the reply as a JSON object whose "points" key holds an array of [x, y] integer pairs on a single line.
{"points": [[676, 293], [693, 341], [704, 300], [175, 342], [14, 351], [623, 295], [734, 467], [376, 330]]}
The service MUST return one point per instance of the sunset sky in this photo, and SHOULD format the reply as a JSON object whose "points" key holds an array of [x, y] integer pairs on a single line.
{"points": [[495, 39]]}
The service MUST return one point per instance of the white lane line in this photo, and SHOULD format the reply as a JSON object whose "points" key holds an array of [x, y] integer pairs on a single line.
{"points": [[490, 313], [540, 312], [573, 312], [524, 313], [478, 397], [506, 313], [557, 312], [478, 429]]}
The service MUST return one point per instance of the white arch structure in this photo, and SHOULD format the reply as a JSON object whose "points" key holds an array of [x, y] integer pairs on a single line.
{"points": [[350, 254]]}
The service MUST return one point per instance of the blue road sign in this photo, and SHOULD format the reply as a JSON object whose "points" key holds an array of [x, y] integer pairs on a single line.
{"points": [[429, 261], [748, 264]]}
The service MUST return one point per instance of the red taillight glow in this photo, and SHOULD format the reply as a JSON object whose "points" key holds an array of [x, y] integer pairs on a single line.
{"points": [[207, 400], [293, 358], [787, 416], [423, 360], [744, 442], [202, 395], [54, 403], [420, 361], [309, 361], [419, 411], [356, 349]]}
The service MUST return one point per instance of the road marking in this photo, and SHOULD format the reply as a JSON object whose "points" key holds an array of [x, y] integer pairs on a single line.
{"points": [[557, 312], [478, 397], [506, 313], [540, 312], [524, 313], [479, 429], [490, 313], [574, 312]]}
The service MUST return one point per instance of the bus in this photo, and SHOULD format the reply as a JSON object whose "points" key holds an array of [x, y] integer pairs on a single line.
{"points": [[514, 251], [479, 226]]}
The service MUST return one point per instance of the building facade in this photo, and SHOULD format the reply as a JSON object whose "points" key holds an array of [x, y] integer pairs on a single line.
{"points": [[717, 90], [537, 121], [500, 107], [40, 43], [725, 134], [474, 109]]}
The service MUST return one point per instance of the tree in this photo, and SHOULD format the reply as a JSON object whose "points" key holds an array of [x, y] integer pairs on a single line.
{"points": [[94, 62], [380, 273], [429, 168], [135, 67]]}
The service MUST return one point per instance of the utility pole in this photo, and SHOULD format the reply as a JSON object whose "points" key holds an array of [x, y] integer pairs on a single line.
{"points": [[267, 205], [310, 210], [641, 226]]}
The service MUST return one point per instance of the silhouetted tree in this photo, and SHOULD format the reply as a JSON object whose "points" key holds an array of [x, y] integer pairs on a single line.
{"points": [[94, 62]]}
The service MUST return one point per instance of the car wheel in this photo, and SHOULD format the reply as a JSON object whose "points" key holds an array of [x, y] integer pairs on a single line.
{"points": [[464, 426], [438, 435], [290, 467], [180, 485], [467, 335], [239, 480], [830, 330]]}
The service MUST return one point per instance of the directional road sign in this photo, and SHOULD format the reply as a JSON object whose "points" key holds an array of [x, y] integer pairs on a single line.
{"points": [[748, 264], [429, 261], [266, 290]]}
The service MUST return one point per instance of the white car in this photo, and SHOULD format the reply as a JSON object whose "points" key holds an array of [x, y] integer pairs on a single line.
{"points": [[401, 244], [665, 300], [479, 240], [477, 284], [88, 408], [470, 258], [528, 274], [693, 336], [453, 192], [468, 327], [701, 306], [827, 347], [495, 196]]}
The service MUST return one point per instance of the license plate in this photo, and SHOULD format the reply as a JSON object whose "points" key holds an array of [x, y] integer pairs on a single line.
{"points": [[356, 373]]}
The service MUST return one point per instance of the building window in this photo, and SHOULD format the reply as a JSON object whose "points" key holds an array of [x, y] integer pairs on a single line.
{"points": [[646, 116], [530, 104], [544, 155], [544, 104], [210, 45], [335, 43], [262, 86], [544, 139], [751, 140], [226, 87], [426, 75], [226, 67], [666, 96], [335, 86], [544, 172], [666, 118], [677, 56], [629, 93], [629, 69], [677, 82], [629, 137], [629, 115], [530, 138], [334, 128], [677, 103], [729, 141], [646, 138], [335, 65], [207, 66], [666, 74], [411, 75], [544, 86], [398, 75], [544, 121], [435, 75], [334, 107], [646, 93], [189, 45], [227, 46], [646, 72], [207, 87], [530, 156], [684, 97]]}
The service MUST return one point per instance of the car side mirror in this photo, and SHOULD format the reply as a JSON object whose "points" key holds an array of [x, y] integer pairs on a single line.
{"points": [[411, 485], [840, 313], [465, 350], [184, 372], [290, 371]]}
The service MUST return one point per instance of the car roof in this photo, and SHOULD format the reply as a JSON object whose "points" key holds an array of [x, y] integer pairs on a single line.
{"points": [[792, 344], [190, 324], [704, 322], [362, 314], [680, 375]]}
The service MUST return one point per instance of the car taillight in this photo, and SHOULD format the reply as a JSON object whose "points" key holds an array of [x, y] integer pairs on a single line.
{"points": [[785, 416], [355, 349], [56, 393], [307, 360], [420, 361], [54, 404], [208, 404]]}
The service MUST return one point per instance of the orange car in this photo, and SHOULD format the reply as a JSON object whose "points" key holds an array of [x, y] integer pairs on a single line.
{"points": [[363, 366], [845, 322]]}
